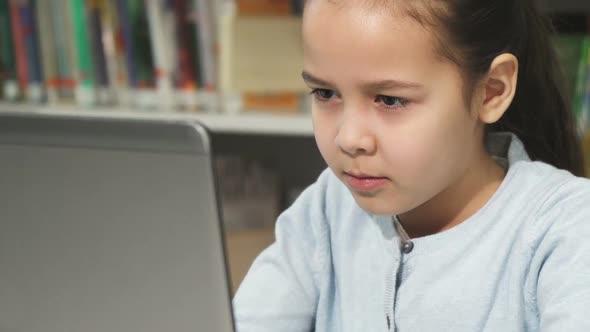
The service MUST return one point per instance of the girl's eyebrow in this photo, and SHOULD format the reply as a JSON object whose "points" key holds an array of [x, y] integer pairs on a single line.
{"points": [[310, 79], [369, 86], [391, 84]]}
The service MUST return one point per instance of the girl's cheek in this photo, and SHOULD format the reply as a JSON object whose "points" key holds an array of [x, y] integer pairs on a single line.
{"points": [[412, 154]]}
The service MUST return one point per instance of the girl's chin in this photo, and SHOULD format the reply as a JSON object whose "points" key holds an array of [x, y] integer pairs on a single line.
{"points": [[377, 205]]}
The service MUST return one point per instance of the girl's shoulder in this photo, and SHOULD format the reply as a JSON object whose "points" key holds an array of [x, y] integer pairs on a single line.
{"points": [[556, 187], [561, 199]]}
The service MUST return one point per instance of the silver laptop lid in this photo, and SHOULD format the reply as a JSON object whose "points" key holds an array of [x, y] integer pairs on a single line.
{"points": [[109, 225]]}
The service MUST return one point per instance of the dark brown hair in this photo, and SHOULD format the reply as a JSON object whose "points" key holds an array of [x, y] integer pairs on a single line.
{"points": [[472, 33], [540, 114]]}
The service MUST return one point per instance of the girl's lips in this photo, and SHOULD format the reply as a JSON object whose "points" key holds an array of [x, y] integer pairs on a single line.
{"points": [[364, 183]]}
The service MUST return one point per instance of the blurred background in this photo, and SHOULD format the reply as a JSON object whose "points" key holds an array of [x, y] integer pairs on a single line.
{"points": [[234, 65]]}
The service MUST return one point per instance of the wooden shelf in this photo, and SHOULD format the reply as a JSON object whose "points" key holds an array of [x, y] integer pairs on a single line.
{"points": [[240, 123]]}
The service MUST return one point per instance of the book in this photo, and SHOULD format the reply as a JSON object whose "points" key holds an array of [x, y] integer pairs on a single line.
{"points": [[114, 48], [264, 7], [8, 75], [152, 53], [66, 54], [103, 90], [86, 85], [142, 57], [18, 39], [161, 23], [186, 79], [260, 70], [286, 102], [34, 92], [48, 51], [63, 63], [126, 42], [140, 38], [206, 44]]}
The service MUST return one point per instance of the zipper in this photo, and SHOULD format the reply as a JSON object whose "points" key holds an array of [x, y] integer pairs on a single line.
{"points": [[406, 247], [406, 243]]}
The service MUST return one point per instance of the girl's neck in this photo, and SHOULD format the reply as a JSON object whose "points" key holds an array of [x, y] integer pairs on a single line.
{"points": [[458, 202]]}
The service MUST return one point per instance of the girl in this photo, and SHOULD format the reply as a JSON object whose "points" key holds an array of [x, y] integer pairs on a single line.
{"points": [[451, 202]]}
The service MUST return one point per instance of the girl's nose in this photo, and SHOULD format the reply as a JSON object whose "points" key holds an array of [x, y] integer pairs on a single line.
{"points": [[355, 136]]}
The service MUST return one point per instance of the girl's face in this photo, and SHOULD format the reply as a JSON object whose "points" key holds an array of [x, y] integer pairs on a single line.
{"points": [[389, 114]]}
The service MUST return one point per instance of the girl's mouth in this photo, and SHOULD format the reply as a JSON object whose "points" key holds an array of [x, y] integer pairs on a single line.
{"points": [[362, 182]]}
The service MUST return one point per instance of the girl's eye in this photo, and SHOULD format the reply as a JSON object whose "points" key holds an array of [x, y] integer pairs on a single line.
{"points": [[323, 94], [391, 102]]}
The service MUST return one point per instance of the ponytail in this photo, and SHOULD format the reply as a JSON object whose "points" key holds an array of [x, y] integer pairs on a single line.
{"points": [[541, 112], [475, 32]]}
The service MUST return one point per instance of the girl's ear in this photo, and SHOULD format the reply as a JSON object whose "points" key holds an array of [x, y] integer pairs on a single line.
{"points": [[499, 88]]}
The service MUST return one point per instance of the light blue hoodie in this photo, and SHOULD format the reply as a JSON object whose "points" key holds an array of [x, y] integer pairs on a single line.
{"points": [[521, 263]]}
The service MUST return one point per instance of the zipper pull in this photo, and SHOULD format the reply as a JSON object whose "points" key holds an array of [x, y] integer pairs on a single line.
{"points": [[406, 243]]}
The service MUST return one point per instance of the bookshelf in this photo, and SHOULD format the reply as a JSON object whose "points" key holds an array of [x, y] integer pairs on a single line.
{"points": [[251, 122]]}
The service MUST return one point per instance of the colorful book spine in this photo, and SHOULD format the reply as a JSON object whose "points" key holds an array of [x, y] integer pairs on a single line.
{"points": [[264, 7], [206, 44], [66, 59], [34, 91], [140, 38], [186, 76], [48, 51], [18, 39], [185, 41], [100, 62], [85, 90], [160, 25], [126, 39], [227, 21], [114, 48], [8, 75]]}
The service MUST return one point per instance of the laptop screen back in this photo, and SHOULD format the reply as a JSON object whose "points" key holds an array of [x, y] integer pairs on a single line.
{"points": [[109, 225]]}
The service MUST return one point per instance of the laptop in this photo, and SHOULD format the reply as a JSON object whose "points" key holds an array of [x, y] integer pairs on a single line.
{"points": [[109, 225]]}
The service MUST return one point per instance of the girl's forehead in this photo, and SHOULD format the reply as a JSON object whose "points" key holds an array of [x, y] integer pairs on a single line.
{"points": [[347, 17], [421, 10], [359, 4], [368, 38]]}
